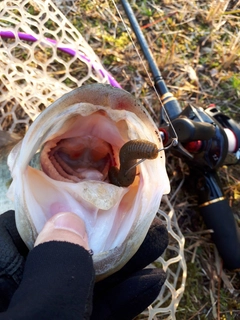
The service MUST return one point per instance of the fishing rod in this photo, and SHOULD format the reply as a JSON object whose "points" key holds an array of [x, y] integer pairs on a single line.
{"points": [[206, 139]]}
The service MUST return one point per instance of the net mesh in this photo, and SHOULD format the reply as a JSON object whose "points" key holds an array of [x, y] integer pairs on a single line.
{"points": [[42, 57]]}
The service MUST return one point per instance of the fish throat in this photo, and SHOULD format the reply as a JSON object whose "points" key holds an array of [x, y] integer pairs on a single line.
{"points": [[78, 158]]}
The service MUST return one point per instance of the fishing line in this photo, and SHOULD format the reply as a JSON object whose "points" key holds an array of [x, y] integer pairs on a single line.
{"points": [[175, 139]]}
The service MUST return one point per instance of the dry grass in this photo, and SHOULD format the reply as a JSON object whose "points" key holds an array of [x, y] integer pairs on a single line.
{"points": [[197, 47]]}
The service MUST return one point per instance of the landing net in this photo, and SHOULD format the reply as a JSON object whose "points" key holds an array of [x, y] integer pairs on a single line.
{"points": [[43, 56]]}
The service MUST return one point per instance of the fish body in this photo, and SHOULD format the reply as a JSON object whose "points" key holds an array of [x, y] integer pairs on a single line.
{"points": [[62, 164], [7, 142]]}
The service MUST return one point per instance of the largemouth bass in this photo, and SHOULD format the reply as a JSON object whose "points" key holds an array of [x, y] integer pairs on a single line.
{"points": [[62, 164]]}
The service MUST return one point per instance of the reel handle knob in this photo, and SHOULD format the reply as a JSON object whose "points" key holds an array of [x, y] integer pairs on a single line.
{"points": [[189, 130]]}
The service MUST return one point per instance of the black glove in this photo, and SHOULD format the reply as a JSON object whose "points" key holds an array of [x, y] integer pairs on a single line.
{"points": [[13, 253], [132, 289], [123, 295]]}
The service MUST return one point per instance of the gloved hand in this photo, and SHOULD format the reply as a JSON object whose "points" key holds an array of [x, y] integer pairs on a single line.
{"points": [[132, 289], [123, 295], [13, 253]]}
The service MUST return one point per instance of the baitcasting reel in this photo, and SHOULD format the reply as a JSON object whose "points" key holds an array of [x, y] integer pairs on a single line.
{"points": [[209, 139], [206, 138]]}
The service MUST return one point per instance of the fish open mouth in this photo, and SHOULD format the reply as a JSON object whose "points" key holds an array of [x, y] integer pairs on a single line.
{"points": [[77, 157], [79, 137], [85, 151]]}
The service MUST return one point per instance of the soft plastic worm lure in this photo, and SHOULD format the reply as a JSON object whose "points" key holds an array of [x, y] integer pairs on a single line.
{"points": [[128, 155]]}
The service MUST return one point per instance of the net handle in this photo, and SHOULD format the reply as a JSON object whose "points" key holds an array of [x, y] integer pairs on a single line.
{"points": [[28, 37]]}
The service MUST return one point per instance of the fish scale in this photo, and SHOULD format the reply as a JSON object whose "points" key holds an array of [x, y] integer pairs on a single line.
{"points": [[7, 142]]}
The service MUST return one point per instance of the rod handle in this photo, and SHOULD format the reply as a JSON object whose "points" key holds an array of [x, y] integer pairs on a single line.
{"points": [[219, 217]]}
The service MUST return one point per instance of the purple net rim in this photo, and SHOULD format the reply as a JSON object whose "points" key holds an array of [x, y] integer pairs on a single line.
{"points": [[70, 51]]}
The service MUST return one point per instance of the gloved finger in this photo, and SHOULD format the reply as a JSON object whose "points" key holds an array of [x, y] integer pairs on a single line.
{"points": [[152, 247], [129, 298]]}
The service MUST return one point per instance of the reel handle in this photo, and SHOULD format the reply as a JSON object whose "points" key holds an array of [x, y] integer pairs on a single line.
{"points": [[188, 130]]}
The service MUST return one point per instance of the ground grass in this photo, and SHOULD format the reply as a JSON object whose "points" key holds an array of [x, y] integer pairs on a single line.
{"points": [[197, 47]]}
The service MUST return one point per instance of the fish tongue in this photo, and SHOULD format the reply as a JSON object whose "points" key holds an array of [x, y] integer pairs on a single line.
{"points": [[90, 174]]}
